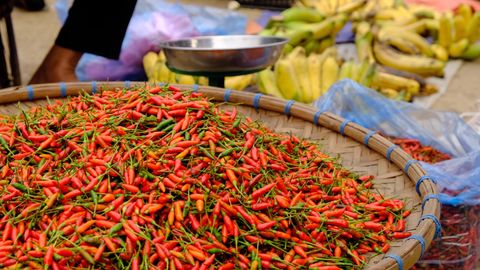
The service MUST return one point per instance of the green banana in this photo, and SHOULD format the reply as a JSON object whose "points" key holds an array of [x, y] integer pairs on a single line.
{"points": [[472, 52], [303, 14]]}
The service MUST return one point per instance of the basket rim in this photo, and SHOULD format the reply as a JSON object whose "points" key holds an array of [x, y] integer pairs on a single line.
{"points": [[428, 223]]}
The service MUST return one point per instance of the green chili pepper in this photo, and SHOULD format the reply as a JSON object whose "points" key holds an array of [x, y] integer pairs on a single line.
{"points": [[214, 250], [117, 227], [206, 152], [164, 124], [236, 123], [20, 187]]}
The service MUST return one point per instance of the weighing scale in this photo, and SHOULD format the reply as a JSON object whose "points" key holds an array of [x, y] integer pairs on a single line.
{"points": [[216, 57]]}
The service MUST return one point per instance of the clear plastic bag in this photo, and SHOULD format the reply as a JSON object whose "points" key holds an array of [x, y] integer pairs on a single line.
{"points": [[444, 131]]}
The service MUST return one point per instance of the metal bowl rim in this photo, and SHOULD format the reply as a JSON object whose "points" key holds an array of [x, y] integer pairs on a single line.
{"points": [[164, 45]]}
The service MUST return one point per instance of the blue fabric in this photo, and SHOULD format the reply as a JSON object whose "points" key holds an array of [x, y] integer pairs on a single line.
{"points": [[444, 131]]}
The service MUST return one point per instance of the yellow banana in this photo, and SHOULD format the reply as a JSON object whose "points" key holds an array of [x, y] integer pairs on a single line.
{"points": [[386, 80], [172, 78], [350, 6], [286, 80], [459, 24], [162, 57], [185, 79], [420, 65], [332, 4], [366, 74], [314, 70], [164, 73], [300, 64], [149, 61], [329, 73], [402, 45], [465, 11], [456, 49], [345, 70], [439, 52], [355, 72], [156, 70], [411, 37], [238, 82], [473, 28], [267, 84], [445, 31], [389, 93], [323, 7], [364, 47], [203, 81]]}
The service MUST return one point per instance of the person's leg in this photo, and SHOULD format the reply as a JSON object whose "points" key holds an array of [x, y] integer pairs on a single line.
{"points": [[58, 66]]}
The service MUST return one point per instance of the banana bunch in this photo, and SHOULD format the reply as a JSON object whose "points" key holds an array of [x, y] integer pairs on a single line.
{"points": [[459, 32], [396, 35], [331, 7], [299, 76], [389, 82], [306, 27], [156, 70]]}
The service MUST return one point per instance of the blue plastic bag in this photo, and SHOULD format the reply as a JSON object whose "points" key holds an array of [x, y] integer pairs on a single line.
{"points": [[152, 22], [442, 130]]}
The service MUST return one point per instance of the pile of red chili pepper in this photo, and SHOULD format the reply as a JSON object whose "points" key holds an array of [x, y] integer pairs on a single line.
{"points": [[420, 152], [160, 178], [458, 246]]}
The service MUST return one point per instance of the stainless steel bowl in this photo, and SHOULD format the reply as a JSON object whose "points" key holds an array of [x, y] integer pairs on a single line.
{"points": [[223, 54]]}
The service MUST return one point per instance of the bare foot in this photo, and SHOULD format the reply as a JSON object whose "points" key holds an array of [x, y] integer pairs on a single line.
{"points": [[58, 66]]}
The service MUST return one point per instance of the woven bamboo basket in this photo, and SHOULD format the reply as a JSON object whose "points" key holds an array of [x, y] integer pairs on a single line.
{"points": [[361, 150]]}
